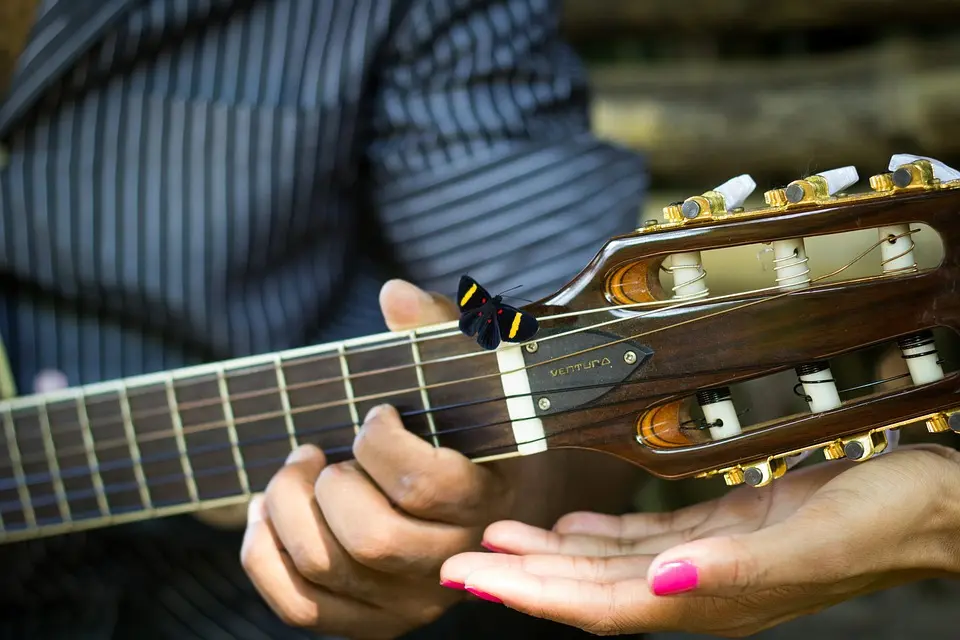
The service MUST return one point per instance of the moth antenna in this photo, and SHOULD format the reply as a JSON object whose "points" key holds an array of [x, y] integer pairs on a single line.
{"points": [[511, 289], [519, 298]]}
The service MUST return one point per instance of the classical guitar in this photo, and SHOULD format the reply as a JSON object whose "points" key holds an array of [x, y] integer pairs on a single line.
{"points": [[635, 357]]}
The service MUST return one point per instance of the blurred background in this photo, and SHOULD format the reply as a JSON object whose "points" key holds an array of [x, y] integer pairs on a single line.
{"points": [[710, 89]]}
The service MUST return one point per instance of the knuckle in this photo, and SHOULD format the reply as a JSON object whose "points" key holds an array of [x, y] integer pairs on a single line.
{"points": [[314, 565], [373, 546], [416, 495]]}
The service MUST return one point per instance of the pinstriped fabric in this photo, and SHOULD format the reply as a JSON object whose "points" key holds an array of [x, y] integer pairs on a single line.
{"points": [[202, 179]]}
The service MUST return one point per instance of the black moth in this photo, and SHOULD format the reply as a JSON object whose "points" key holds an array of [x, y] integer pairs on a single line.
{"points": [[486, 317]]}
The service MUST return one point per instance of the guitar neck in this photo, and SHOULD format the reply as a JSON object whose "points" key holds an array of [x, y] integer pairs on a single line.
{"points": [[207, 436]]}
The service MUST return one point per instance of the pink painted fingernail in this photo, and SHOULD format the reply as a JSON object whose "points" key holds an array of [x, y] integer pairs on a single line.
{"points": [[452, 584], [483, 595], [675, 577], [490, 547]]}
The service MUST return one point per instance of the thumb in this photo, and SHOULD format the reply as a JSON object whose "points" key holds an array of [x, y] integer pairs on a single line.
{"points": [[773, 557], [406, 306]]}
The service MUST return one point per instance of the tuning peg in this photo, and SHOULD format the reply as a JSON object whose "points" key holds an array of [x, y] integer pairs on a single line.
{"points": [[941, 172], [816, 187], [913, 172], [726, 197], [735, 191]]}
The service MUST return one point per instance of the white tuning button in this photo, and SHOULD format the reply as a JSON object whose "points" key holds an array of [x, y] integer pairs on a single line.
{"points": [[941, 172], [735, 191], [839, 179]]}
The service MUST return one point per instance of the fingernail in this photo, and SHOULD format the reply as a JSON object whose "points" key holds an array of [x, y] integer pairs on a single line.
{"points": [[372, 414], [451, 584], [303, 452], [490, 547], [675, 577], [483, 595]]}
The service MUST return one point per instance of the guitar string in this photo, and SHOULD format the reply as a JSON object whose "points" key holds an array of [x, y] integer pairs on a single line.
{"points": [[234, 469], [212, 402], [52, 499], [125, 463], [406, 342], [156, 435], [222, 423], [122, 442]]}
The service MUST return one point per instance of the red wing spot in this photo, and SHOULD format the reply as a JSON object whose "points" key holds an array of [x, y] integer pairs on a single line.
{"points": [[479, 313], [499, 312], [483, 301], [489, 320]]}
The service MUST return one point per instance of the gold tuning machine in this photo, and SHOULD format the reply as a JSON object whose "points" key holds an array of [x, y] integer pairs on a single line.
{"points": [[947, 421], [857, 448], [816, 188], [718, 202], [757, 474], [913, 173]]}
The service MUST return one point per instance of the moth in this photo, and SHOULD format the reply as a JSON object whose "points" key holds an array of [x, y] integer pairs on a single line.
{"points": [[489, 319]]}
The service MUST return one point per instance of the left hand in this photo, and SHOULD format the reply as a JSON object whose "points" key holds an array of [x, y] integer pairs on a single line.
{"points": [[737, 565]]}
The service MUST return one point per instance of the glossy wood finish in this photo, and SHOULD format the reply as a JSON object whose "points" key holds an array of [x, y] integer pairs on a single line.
{"points": [[717, 342]]}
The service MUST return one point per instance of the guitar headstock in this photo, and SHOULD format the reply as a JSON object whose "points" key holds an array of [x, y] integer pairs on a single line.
{"points": [[637, 355]]}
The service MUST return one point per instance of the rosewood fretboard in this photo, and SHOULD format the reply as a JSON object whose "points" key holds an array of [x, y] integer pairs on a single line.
{"points": [[211, 435]]}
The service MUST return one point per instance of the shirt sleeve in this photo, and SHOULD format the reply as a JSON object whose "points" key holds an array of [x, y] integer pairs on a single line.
{"points": [[481, 154]]}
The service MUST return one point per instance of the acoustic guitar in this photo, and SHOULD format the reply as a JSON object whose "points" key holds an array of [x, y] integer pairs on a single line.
{"points": [[634, 357]]}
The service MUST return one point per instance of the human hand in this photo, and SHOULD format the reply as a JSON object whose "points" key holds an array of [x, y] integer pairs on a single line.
{"points": [[355, 548], [737, 565]]}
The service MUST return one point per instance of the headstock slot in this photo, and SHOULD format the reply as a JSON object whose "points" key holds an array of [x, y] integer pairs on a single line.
{"points": [[862, 375]]}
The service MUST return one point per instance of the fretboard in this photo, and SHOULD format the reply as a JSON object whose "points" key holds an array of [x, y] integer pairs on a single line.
{"points": [[212, 435]]}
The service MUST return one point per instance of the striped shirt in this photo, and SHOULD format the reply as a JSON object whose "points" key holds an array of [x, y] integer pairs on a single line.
{"points": [[195, 180]]}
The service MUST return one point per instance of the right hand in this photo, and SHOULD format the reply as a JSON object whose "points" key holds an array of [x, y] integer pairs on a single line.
{"points": [[354, 549]]}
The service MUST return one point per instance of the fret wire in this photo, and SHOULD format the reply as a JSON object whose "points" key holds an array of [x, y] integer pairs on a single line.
{"points": [[23, 492], [232, 431], [177, 423], [422, 382], [133, 447], [50, 450], [285, 401], [348, 386], [92, 461]]}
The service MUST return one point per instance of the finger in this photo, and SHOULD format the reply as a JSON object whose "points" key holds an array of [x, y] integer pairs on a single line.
{"points": [[516, 537], [297, 523], [297, 602], [600, 570], [425, 481], [377, 535], [604, 609], [405, 306]]}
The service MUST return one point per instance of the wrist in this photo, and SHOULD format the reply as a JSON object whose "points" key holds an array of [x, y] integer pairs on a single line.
{"points": [[945, 517]]}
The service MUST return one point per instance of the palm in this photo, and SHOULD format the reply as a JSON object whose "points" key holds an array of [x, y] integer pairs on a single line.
{"points": [[816, 537]]}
